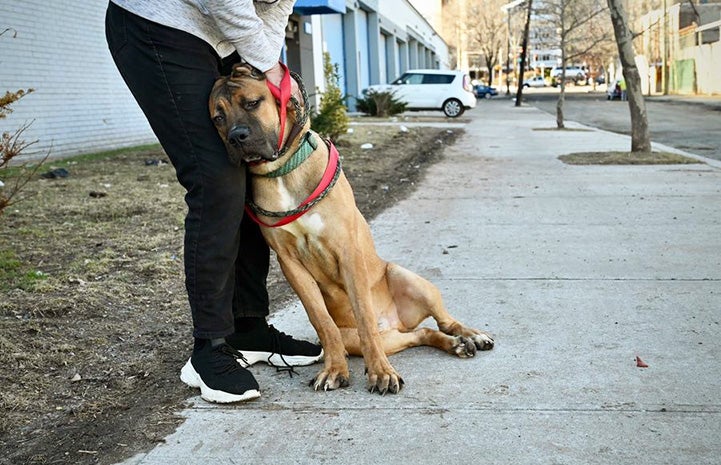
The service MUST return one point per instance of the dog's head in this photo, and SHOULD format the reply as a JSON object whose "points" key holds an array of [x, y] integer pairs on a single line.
{"points": [[245, 113]]}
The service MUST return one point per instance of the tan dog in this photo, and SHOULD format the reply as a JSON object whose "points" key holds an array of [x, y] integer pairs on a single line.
{"points": [[355, 301]]}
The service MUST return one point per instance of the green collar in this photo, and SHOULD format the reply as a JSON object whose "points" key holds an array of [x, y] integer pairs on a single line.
{"points": [[307, 146]]}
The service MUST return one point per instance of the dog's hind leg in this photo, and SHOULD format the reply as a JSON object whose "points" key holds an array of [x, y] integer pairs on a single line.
{"points": [[394, 341], [416, 299], [354, 266]]}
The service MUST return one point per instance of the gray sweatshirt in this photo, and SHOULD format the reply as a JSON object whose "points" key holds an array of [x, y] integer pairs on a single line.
{"points": [[255, 28]]}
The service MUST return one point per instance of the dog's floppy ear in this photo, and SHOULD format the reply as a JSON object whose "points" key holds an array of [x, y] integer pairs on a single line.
{"points": [[244, 70]]}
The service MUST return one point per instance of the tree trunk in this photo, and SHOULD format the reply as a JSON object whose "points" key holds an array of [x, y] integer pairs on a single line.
{"points": [[640, 137], [490, 63], [562, 94], [559, 103], [524, 51]]}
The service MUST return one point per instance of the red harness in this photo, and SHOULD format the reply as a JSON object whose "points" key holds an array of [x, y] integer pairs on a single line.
{"points": [[282, 95]]}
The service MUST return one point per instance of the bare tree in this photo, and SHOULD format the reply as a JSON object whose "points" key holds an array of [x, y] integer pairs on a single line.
{"points": [[599, 58], [453, 23], [578, 23], [11, 146], [640, 136], [524, 53], [486, 26]]}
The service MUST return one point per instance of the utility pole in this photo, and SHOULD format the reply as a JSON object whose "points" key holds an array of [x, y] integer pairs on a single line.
{"points": [[664, 71], [508, 8], [524, 53], [508, 53]]}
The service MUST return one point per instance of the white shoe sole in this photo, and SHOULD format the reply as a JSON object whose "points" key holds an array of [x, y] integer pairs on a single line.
{"points": [[276, 360], [189, 376]]}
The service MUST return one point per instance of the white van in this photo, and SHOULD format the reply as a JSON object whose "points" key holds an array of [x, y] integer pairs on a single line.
{"points": [[577, 74]]}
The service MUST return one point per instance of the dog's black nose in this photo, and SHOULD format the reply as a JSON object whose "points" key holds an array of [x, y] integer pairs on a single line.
{"points": [[238, 134]]}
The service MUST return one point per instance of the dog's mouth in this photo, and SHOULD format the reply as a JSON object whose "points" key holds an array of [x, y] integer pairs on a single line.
{"points": [[259, 160], [250, 159], [248, 154]]}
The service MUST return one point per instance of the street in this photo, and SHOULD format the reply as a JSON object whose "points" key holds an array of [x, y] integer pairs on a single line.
{"points": [[693, 127]]}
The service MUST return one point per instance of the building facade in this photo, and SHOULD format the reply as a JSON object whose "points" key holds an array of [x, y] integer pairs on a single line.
{"points": [[372, 42], [680, 50], [81, 105]]}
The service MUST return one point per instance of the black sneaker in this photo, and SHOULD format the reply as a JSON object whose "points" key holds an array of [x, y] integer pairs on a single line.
{"points": [[266, 344], [218, 374]]}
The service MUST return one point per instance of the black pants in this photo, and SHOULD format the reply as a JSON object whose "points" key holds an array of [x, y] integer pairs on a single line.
{"points": [[170, 74]]}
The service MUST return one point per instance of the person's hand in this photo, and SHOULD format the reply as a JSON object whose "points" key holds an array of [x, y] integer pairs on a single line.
{"points": [[275, 75]]}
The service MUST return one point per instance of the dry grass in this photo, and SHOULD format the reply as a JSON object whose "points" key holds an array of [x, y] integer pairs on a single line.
{"points": [[94, 322], [626, 158]]}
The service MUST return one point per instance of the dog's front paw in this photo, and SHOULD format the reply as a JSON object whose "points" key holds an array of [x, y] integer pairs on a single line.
{"points": [[384, 381], [329, 379]]}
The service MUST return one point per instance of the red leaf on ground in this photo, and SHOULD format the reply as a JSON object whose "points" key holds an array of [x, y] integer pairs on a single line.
{"points": [[640, 363]]}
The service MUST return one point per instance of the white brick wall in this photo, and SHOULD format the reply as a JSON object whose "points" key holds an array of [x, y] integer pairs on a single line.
{"points": [[80, 103]]}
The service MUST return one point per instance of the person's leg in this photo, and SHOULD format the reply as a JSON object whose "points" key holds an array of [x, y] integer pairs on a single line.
{"points": [[251, 301], [170, 74]]}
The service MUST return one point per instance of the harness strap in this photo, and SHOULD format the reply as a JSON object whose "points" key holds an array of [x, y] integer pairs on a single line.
{"points": [[330, 176], [282, 94], [301, 113]]}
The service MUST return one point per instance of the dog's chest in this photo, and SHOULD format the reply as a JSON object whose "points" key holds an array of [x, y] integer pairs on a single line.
{"points": [[304, 236], [287, 200], [308, 237], [306, 240], [308, 229]]}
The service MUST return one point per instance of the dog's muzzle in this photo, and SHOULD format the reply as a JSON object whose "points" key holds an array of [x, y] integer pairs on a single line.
{"points": [[238, 134], [241, 147]]}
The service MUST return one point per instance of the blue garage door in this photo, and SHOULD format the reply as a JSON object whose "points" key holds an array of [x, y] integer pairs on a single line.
{"points": [[333, 44], [364, 71], [382, 65]]}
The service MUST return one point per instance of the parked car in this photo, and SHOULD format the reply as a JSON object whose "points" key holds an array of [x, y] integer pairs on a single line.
{"points": [[613, 91], [432, 89], [535, 81], [484, 91], [575, 74]]}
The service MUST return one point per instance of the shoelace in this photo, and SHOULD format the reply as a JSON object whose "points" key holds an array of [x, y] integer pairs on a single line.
{"points": [[277, 349], [227, 349]]}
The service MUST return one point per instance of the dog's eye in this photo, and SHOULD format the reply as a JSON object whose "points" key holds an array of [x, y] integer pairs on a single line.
{"points": [[252, 104], [217, 119]]}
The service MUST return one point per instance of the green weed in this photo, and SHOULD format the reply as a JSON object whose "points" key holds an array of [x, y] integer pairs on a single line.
{"points": [[14, 274]]}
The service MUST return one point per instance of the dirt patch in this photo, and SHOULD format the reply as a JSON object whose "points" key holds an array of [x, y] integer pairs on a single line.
{"points": [[94, 323], [627, 158], [416, 117]]}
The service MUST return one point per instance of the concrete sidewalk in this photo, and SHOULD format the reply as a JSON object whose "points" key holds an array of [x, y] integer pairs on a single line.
{"points": [[576, 270]]}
